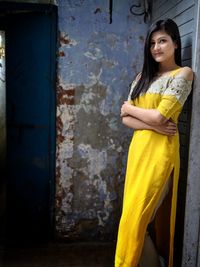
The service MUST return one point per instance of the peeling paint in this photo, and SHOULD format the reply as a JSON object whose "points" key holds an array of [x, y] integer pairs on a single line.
{"points": [[61, 54], [66, 41], [95, 62], [97, 160], [96, 54]]}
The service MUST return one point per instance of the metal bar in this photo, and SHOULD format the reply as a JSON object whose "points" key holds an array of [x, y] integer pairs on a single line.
{"points": [[110, 10]]}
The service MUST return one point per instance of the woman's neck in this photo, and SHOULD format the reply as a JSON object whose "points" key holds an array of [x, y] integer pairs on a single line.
{"points": [[166, 67]]}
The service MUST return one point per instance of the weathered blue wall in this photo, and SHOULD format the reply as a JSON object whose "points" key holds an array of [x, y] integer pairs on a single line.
{"points": [[96, 63]]}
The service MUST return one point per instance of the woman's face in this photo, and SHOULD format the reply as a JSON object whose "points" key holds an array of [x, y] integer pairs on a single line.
{"points": [[162, 47]]}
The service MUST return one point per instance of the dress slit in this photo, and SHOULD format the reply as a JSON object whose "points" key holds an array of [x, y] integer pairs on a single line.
{"points": [[164, 222], [164, 193]]}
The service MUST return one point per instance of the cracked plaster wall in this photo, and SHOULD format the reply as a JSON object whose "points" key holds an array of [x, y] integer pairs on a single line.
{"points": [[96, 63]]}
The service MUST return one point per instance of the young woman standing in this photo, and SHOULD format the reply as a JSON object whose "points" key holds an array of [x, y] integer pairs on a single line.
{"points": [[155, 102]]}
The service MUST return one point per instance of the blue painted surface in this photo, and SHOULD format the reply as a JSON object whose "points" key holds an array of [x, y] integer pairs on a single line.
{"points": [[97, 62], [30, 44]]}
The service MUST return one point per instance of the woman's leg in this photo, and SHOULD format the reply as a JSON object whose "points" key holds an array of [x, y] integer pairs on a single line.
{"points": [[149, 257], [164, 194]]}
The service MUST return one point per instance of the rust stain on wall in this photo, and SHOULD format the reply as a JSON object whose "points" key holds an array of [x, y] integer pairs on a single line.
{"points": [[66, 41], [94, 72], [65, 96], [61, 54]]}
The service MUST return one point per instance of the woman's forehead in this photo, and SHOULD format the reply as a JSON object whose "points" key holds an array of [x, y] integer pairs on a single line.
{"points": [[159, 34]]}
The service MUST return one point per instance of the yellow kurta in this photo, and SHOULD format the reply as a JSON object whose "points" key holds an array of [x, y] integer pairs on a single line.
{"points": [[152, 158]]}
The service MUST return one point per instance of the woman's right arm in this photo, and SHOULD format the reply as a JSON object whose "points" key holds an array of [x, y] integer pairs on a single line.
{"points": [[136, 124], [168, 128]]}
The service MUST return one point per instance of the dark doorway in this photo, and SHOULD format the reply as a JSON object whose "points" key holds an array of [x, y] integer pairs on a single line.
{"points": [[30, 32]]}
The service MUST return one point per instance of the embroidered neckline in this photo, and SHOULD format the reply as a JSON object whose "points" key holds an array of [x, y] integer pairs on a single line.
{"points": [[170, 77], [169, 73]]}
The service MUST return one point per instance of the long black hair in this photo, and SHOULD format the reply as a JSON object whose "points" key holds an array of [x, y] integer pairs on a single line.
{"points": [[150, 66]]}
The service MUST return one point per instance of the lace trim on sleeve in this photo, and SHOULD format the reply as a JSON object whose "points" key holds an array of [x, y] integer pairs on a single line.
{"points": [[179, 88], [131, 91]]}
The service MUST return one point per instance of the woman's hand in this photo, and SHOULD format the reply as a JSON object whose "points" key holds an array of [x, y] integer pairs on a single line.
{"points": [[168, 128], [125, 108]]}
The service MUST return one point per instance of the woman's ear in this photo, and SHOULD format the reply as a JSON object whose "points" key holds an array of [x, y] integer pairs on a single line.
{"points": [[175, 45]]}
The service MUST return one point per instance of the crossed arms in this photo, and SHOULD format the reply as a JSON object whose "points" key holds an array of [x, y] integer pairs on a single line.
{"points": [[146, 119], [151, 119]]}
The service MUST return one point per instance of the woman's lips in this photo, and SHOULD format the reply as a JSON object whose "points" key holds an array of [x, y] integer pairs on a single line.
{"points": [[158, 54]]}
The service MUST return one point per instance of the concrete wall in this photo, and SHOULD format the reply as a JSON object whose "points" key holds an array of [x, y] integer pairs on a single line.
{"points": [[97, 62], [183, 13]]}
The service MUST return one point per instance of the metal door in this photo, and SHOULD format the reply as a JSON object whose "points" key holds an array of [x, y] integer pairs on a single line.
{"points": [[30, 92]]}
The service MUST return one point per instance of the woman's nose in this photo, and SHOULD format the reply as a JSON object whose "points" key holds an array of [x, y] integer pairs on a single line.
{"points": [[156, 46]]}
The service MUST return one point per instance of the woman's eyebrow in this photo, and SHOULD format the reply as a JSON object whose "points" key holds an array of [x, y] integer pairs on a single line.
{"points": [[161, 37]]}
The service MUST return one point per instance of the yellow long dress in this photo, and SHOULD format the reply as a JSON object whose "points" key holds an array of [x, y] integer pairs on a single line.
{"points": [[152, 158]]}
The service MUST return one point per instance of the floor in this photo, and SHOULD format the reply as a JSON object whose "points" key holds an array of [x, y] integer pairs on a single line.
{"points": [[59, 255]]}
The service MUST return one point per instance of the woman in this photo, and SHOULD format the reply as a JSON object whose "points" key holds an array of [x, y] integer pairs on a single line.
{"points": [[154, 105]]}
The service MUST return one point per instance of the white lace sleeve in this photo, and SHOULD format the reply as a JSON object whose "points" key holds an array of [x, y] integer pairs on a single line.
{"points": [[179, 88], [131, 90], [174, 96]]}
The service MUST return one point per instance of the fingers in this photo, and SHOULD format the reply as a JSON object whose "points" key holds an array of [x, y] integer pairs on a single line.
{"points": [[172, 132], [171, 129], [171, 126], [123, 113], [168, 133], [123, 110], [171, 123]]}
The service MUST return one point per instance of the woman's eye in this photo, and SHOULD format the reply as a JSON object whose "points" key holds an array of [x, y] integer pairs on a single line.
{"points": [[162, 41]]}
